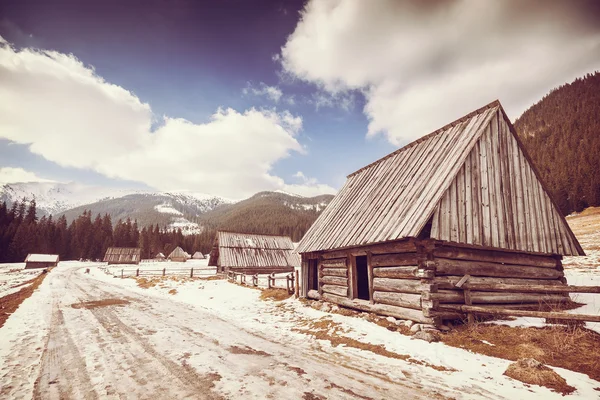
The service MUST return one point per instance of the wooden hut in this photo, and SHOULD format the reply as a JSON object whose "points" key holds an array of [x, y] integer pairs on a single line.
{"points": [[41, 261], [122, 255], [160, 257], [253, 254], [198, 256], [178, 255], [463, 203]]}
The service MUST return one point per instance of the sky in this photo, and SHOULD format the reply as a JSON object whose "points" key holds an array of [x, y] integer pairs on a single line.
{"points": [[230, 98]]}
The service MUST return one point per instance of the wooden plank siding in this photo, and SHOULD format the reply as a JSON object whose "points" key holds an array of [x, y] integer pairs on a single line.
{"points": [[507, 200]]}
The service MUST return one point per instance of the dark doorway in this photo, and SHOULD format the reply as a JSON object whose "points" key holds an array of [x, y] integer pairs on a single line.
{"points": [[362, 278], [313, 275]]}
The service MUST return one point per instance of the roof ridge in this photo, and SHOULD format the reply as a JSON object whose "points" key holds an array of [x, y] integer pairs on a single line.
{"points": [[257, 234], [495, 103]]}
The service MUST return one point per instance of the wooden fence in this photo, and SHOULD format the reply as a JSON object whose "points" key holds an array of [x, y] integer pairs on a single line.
{"points": [[470, 309], [165, 271], [291, 280]]}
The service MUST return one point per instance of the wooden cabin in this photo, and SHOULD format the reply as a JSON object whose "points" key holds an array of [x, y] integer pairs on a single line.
{"points": [[463, 203], [253, 254], [41, 261], [198, 256], [178, 255], [123, 255], [160, 257]]}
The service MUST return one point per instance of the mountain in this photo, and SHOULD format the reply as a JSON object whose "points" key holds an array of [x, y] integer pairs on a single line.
{"points": [[195, 213], [562, 135], [276, 213], [168, 210], [54, 198]]}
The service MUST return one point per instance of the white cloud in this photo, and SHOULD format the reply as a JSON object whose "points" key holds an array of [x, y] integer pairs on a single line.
{"points": [[424, 64], [308, 186], [273, 93], [18, 175], [69, 115]]}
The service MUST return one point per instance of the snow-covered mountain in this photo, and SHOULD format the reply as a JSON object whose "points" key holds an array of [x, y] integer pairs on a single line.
{"points": [[54, 198]]}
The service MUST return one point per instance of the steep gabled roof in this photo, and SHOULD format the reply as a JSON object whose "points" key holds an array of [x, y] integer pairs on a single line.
{"points": [[241, 250], [178, 252], [397, 195], [122, 254]]}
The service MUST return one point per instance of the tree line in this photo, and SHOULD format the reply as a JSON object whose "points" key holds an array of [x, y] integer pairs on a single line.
{"points": [[87, 238], [562, 134]]}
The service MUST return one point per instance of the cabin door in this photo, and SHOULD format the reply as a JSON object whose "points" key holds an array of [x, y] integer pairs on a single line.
{"points": [[362, 278], [313, 275]]}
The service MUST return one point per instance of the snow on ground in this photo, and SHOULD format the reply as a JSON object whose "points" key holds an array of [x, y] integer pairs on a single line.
{"points": [[477, 375], [167, 209], [12, 277]]}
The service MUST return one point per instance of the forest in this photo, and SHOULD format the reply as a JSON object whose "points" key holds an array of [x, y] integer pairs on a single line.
{"points": [[562, 135], [87, 238]]}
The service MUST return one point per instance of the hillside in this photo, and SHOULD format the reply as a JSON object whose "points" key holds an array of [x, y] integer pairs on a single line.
{"points": [[562, 134], [268, 212]]}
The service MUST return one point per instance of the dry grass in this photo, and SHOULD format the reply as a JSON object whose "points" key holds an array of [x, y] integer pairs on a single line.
{"points": [[326, 329], [274, 294], [534, 373], [571, 347], [100, 303], [10, 303], [173, 291], [247, 350], [148, 282]]}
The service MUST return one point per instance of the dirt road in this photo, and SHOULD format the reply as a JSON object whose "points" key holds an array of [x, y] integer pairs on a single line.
{"points": [[106, 341]]}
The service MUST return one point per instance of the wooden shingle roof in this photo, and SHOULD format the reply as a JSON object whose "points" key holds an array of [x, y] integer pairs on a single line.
{"points": [[396, 196]]}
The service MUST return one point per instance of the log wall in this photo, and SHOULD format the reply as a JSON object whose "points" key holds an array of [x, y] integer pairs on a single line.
{"points": [[412, 279]]}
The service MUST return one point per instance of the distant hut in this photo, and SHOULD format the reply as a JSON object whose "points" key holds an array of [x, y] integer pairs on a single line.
{"points": [[462, 204], [41, 261], [178, 255], [252, 254], [198, 256], [187, 255], [160, 257], [122, 255]]}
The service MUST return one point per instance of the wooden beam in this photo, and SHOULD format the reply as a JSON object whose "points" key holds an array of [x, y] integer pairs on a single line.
{"points": [[449, 282], [498, 287], [496, 256], [333, 289], [399, 285], [382, 309], [457, 296], [392, 260], [370, 276], [479, 268], [334, 280], [334, 272], [396, 272], [408, 300], [524, 313]]}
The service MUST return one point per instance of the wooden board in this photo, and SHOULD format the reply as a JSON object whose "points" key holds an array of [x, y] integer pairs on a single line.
{"points": [[399, 285], [474, 268], [407, 300]]}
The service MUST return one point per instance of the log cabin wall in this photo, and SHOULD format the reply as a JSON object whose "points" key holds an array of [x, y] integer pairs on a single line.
{"points": [[399, 274], [411, 279], [451, 263]]}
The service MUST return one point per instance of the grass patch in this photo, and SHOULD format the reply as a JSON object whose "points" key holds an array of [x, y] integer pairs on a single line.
{"points": [[99, 303], [326, 329], [535, 373], [10, 303], [173, 291], [247, 350], [571, 347], [274, 294]]}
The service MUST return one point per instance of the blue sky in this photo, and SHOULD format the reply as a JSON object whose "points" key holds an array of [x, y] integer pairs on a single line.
{"points": [[363, 80]]}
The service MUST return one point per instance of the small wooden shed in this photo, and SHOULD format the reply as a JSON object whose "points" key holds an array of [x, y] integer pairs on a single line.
{"points": [[123, 255], [253, 253], [198, 256], [160, 257], [178, 255], [462, 203], [41, 261]]}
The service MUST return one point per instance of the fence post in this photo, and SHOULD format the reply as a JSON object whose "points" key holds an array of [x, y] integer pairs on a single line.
{"points": [[192, 273], [243, 279], [164, 271], [268, 281], [121, 274], [255, 279], [297, 284], [137, 272]]}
